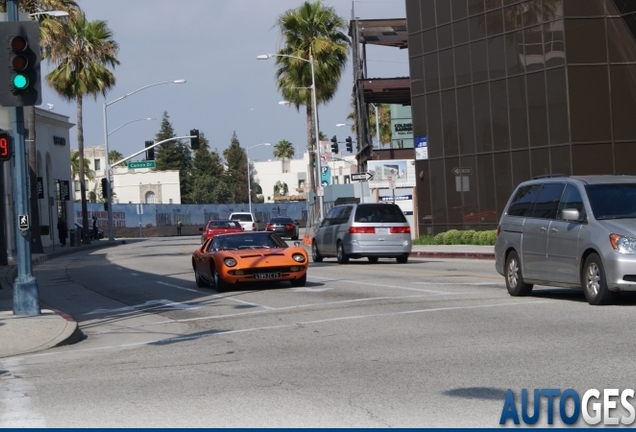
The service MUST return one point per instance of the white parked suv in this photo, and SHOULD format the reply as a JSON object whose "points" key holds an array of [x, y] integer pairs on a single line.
{"points": [[248, 221]]}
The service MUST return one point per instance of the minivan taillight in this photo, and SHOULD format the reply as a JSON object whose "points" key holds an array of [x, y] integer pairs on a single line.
{"points": [[361, 230], [400, 230]]}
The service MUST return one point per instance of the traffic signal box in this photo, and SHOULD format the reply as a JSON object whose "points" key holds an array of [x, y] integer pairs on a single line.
{"points": [[105, 187], [150, 153], [5, 146], [20, 81], [349, 145], [194, 140], [334, 145]]}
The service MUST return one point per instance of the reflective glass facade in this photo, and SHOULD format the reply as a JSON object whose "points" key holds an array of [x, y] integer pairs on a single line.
{"points": [[505, 90]]}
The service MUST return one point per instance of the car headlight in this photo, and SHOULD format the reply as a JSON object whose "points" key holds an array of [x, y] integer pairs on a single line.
{"points": [[298, 258], [230, 262], [623, 244]]}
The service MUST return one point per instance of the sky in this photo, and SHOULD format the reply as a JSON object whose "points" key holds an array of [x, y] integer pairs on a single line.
{"points": [[213, 45]]}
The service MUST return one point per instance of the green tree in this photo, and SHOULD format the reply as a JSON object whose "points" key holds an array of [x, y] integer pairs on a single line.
{"points": [[284, 150], [75, 161], [115, 156], [311, 31], [174, 155], [80, 52], [236, 175], [384, 114], [208, 176]]}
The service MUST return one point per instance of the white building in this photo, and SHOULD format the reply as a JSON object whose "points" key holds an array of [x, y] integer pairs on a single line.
{"points": [[134, 186]]}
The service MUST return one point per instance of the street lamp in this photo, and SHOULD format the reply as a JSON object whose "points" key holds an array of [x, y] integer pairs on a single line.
{"points": [[53, 13], [107, 162], [127, 123], [318, 173], [249, 182]]}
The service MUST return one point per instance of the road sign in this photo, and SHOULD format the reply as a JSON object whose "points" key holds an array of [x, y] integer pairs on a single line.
{"points": [[361, 176], [141, 164], [320, 191], [23, 221], [459, 171]]}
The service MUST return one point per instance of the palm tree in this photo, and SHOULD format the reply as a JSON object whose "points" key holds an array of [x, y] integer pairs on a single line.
{"points": [[115, 156], [80, 52], [284, 150], [75, 161], [311, 30]]}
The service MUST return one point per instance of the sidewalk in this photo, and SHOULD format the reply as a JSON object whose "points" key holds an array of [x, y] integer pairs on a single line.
{"points": [[21, 334], [24, 334]]}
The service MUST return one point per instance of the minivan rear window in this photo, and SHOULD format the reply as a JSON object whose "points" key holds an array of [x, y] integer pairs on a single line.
{"points": [[524, 199], [242, 217], [379, 213]]}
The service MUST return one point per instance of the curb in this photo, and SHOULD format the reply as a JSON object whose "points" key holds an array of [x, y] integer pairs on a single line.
{"points": [[469, 255]]}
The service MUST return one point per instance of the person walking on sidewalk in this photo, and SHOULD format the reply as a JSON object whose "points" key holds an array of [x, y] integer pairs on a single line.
{"points": [[179, 226], [62, 231], [95, 229]]}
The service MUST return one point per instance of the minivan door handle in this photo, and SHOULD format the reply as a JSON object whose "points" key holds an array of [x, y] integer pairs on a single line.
{"points": [[554, 230], [543, 229]]}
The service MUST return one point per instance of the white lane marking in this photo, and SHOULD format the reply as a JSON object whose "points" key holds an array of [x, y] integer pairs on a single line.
{"points": [[305, 289], [216, 296], [253, 329], [383, 285], [156, 305], [181, 288], [16, 393]]}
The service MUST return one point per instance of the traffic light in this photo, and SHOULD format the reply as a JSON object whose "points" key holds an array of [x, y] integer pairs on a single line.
{"points": [[20, 82], [104, 187], [334, 145], [194, 140], [5, 146], [349, 144], [150, 153], [312, 159]]}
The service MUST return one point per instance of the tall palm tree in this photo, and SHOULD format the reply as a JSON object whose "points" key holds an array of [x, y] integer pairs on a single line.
{"points": [[284, 150], [81, 53], [75, 163], [311, 30], [115, 156]]}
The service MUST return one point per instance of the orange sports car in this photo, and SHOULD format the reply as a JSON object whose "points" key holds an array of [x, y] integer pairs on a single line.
{"points": [[249, 257]]}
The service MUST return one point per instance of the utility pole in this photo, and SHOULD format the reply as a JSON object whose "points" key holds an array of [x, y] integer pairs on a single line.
{"points": [[26, 299]]}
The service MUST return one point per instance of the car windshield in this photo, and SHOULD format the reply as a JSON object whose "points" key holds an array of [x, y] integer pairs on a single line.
{"points": [[612, 201], [248, 241]]}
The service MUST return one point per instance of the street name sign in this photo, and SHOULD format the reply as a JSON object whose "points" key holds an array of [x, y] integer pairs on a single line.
{"points": [[361, 176], [141, 164]]}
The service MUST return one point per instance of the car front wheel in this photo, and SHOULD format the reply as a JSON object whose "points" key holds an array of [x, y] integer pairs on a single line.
{"points": [[199, 280], [514, 279], [300, 282], [219, 283], [595, 283]]}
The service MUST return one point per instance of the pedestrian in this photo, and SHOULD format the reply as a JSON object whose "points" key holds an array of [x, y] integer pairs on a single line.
{"points": [[62, 231], [178, 226], [95, 229]]}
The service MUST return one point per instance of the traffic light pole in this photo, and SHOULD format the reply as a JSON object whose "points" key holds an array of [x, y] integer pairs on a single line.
{"points": [[26, 299]]}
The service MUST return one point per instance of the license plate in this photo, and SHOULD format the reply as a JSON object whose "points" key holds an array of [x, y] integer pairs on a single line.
{"points": [[275, 275], [381, 230]]}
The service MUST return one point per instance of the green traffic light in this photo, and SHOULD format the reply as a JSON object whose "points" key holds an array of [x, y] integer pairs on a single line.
{"points": [[20, 82]]}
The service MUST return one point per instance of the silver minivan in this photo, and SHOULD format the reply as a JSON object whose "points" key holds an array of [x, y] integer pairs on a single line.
{"points": [[570, 232], [363, 230]]}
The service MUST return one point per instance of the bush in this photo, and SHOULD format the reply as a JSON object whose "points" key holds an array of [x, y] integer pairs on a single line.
{"points": [[457, 237]]}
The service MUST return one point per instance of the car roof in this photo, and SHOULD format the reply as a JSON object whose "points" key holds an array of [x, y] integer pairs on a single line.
{"points": [[585, 179]]}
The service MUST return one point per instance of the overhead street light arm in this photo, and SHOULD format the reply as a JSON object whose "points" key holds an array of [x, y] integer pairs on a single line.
{"points": [[127, 123], [150, 147], [179, 81]]}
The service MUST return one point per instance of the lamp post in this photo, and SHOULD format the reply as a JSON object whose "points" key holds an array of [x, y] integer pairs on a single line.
{"points": [[107, 162], [318, 173], [129, 122], [249, 180]]}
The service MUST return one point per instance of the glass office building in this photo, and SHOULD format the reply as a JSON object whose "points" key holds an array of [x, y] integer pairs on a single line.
{"points": [[506, 90]]}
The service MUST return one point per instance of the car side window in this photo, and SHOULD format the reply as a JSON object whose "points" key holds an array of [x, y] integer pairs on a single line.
{"points": [[344, 216], [521, 204], [331, 218], [548, 200], [571, 199]]}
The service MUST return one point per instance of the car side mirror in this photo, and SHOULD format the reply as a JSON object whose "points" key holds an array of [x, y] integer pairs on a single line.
{"points": [[570, 214]]}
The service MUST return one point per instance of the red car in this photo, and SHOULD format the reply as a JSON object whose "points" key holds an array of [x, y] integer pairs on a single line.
{"points": [[215, 227]]}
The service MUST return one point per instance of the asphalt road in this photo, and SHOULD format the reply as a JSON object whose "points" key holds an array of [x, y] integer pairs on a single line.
{"points": [[431, 343]]}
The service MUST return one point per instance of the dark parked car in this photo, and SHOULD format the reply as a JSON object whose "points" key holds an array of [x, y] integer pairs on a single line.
{"points": [[284, 227], [100, 232]]}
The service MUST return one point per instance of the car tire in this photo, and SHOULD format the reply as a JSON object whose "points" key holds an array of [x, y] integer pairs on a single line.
{"points": [[315, 253], [341, 254], [201, 283], [514, 278], [373, 259], [295, 236], [402, 259], [219, 283], [300, 282], [595, 282]]}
